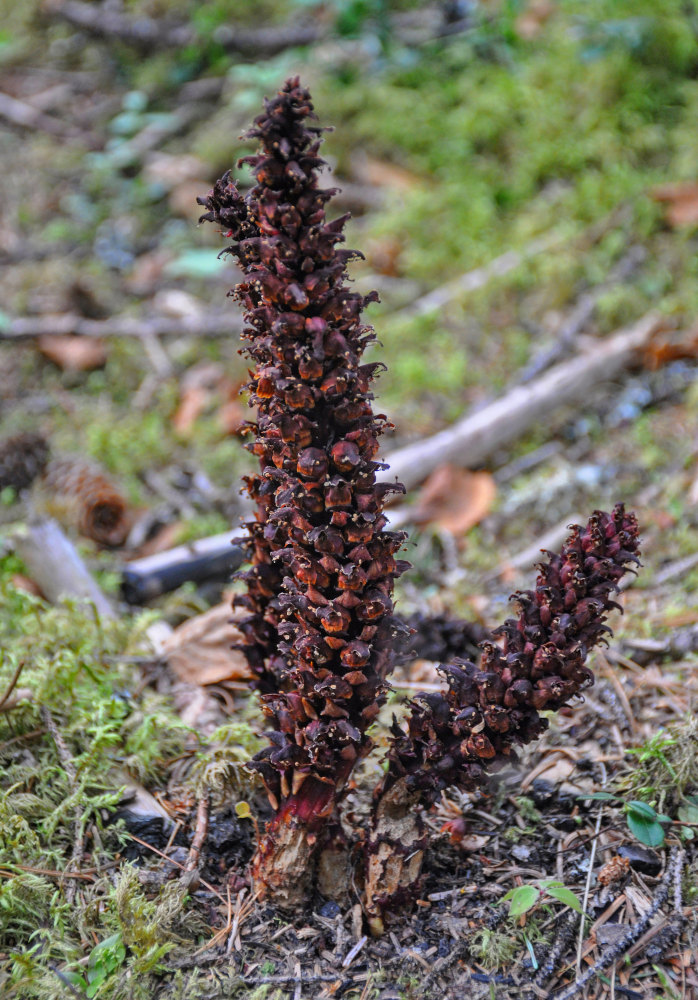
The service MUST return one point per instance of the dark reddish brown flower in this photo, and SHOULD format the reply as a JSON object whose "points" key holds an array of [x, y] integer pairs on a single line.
{"points": [[319, 631], [539, 665], [457, 738]]}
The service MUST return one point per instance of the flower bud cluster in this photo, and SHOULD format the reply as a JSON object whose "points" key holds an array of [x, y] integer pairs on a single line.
{"points": [[319, 590], [456, 737]]}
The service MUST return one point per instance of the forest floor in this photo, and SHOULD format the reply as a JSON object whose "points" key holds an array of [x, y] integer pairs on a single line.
{"points": [[557, 135]]}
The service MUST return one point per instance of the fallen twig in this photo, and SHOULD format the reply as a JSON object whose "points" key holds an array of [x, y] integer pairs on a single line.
{"points": [[580, 316], [204, 325], [351, 955], [476, 436], [676, 568], [28, 117], [13, 681], [199, 834], [214, 558], [611, 955], [676, 646], [53, 563], [529, 556], [148, 33], [471, 281]]}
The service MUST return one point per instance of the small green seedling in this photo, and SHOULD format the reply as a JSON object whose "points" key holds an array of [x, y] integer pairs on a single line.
{"points": [[105, 958], [644, 822], [524, 897]]}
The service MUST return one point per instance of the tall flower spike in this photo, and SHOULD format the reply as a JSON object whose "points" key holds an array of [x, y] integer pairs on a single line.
{"points": [[319, 591], [457, 738]]}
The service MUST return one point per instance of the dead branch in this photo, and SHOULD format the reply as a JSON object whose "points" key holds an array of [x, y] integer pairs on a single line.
{"points": [[199, 834], [157, 133], [28, 117], [527, 558], [205, 325], [476, 436], [214, 558], [147, 34], [473, 280], [611, 955], [5, 699], [580, 316], [54, 564], [680, 644]]}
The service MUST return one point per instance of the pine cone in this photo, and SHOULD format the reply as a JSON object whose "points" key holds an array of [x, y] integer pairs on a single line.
{"points": [[97, 507], [22, 458]]}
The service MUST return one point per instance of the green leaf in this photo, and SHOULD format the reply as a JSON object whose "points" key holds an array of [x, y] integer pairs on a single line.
{"points": [[522, 899], [566, 896], [243, 810], [688, 810], [95, 984], [76, 979], [641, 809], [599, 796], [196, 263], [648, 832]]}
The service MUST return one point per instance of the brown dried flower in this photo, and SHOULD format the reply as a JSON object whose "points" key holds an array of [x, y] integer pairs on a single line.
{"points": [[319, 591], [459, 737]]}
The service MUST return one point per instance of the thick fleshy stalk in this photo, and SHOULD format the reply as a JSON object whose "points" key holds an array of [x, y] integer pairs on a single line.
{"points": [[458, 737], [319, 633]]}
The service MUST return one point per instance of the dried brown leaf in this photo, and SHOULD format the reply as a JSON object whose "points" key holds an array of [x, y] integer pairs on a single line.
{"points": [[192, 404], [164, 538], [231, 416], [665, 348], [73, 354], [455, 499], [22, 582], [532, 19], [681, 200], [199, 651], [382, 173], [198, 387]]}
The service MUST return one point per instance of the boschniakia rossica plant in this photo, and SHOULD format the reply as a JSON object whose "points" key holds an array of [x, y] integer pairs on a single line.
{"points": [[320, 635]]}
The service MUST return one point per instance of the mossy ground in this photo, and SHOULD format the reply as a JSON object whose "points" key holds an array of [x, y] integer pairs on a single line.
{"points": [[470, 146]]}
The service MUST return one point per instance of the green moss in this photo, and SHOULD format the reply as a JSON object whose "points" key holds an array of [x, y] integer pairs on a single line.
{"points": [[76, 667], [493, 949]]}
